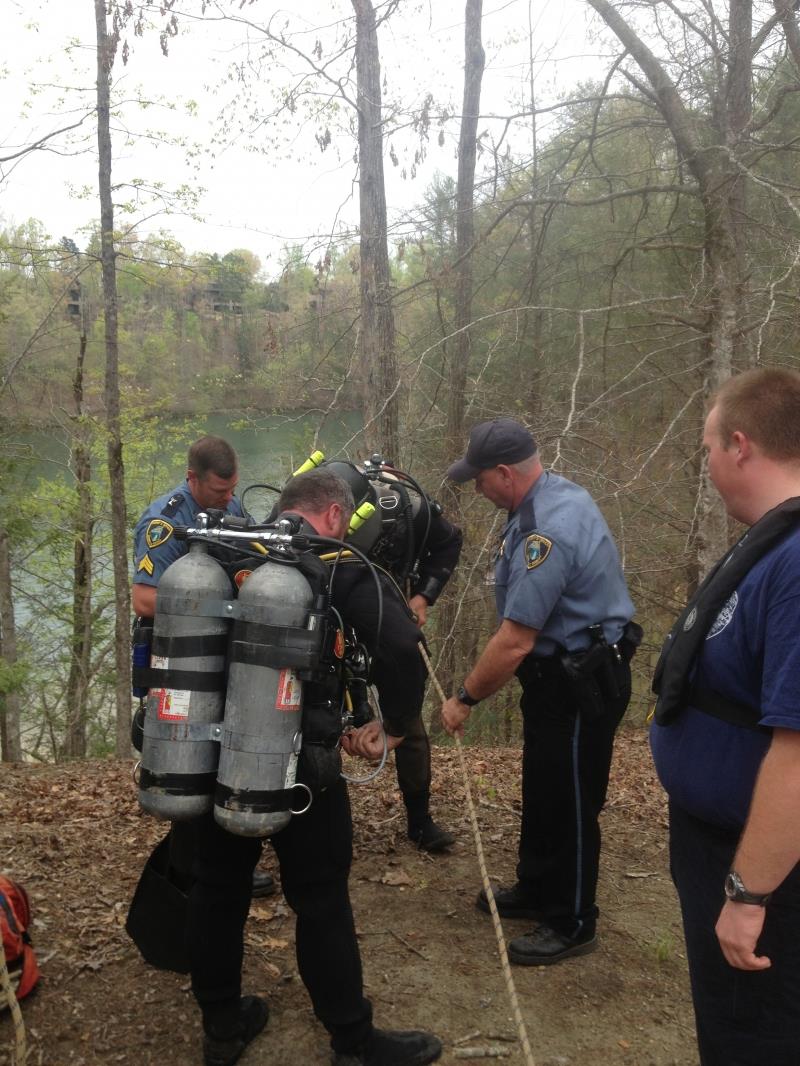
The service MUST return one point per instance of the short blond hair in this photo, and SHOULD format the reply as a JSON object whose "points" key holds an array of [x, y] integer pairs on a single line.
{"points": [[763, 404]]}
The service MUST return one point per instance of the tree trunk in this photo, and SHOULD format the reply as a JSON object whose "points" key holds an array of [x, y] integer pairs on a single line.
{"points": [[106, 49], [377, 351], [474, 59], [10, 735], [465, 223], [81, 640], [708, 146]]}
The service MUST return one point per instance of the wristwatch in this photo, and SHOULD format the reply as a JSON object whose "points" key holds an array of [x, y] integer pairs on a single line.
{"points": [[464, 697], [735, 891]]}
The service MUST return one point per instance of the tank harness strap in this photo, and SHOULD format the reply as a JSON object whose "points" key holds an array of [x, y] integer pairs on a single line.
{"points": [[238, 741], [259, 801], [184, 647], [259, 644], [187, 606], [190, 680], [178, 784], [728, 710], [190, 732]]}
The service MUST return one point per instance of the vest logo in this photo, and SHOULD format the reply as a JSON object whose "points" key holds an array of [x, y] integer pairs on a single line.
{"points": [[537, 548], [240, 577], [157, 533], [725, 616], [691, 618]]}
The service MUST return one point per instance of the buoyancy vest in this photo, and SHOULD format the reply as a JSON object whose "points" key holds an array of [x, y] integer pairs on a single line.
{"points": [[672, 678]]}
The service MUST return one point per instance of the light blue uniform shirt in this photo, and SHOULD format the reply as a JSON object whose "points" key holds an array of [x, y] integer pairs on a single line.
{"points": [[558, 568], [154, 544]]}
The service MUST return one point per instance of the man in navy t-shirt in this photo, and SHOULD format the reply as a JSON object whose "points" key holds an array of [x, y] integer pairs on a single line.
{"points": [[733, 777]]}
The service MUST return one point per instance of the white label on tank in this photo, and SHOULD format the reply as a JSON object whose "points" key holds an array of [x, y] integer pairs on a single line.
{"points": [[173, 704], [290, 692]]}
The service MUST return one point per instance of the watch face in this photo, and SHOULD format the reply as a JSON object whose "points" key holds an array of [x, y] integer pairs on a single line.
{"points": [[736, 891]]}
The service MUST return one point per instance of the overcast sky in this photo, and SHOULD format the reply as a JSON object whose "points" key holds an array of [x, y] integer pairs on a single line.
{"points": [[271, 186]]}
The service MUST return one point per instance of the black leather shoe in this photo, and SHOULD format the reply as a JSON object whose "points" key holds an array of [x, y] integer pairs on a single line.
{"points": [[263, 884], [387, 1047], [430, 837], [512, 902], [224, 1045], [545, 946]]}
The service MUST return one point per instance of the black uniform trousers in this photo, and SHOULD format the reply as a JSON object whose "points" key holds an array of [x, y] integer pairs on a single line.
{"points": [[413, 765], [314, 853], [566, 757], [743, 1017]]}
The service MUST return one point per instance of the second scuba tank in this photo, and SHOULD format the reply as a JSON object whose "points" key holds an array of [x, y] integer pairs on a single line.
{"points": [[271, 641], [187, 688]]}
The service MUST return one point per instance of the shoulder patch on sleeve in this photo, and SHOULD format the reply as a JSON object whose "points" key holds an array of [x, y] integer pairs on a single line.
{"points": [[171, 506], [157, 533], [146, 564], [537, 548]]}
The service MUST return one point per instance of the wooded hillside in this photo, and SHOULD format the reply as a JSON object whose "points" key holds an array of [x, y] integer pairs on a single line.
{"points": [[601, 263]]}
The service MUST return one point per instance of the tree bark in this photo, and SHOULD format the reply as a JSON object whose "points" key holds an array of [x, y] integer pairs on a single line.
{"points": [[106, 50], [81, 638], [10, 733], [377, 349], [474, 59]]}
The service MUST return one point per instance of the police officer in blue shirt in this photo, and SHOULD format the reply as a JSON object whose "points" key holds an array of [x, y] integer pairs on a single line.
{"points": [[211, 478], [565, 631]]}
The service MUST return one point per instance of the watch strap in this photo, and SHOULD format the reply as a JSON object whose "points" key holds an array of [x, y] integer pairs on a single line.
{"points": [[737, 893], [464, 697]]}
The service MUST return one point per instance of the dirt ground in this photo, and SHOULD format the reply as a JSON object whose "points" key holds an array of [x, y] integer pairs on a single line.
{"points": [[75, 837]]}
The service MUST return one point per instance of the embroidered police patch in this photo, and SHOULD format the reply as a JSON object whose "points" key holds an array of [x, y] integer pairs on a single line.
{"points": [[537, 548], [146, 564], [157, 533]]}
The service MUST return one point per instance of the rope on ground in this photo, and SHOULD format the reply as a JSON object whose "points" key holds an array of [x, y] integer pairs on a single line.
{"points": [[9, 999], [498, 929]]}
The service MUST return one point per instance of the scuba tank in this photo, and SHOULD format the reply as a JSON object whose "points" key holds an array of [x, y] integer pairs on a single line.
{"points": [[273, 639], [187, 683], [286, 667]]}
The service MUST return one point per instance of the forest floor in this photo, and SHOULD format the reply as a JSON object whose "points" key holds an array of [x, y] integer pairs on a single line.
{"points": [[74, 835]]}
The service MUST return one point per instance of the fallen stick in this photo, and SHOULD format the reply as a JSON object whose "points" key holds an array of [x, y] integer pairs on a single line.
{"points": [[491, 1052]]}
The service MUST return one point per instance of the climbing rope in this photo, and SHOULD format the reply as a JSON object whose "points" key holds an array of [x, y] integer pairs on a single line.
{"points": [[498, 929], [8, 998]]}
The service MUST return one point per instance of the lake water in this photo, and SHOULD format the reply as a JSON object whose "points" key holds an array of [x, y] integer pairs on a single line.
{"points": [[270, 448]]}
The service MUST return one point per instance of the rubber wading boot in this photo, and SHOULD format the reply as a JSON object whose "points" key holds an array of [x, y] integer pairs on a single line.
{"points": [[387, 1047], [428, 836], [224, 1042]]}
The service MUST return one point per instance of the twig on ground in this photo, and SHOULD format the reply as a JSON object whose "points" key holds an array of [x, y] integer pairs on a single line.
{"points": [[410, 947]]}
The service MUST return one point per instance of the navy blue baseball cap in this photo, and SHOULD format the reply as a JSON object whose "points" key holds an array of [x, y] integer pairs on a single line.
{"points": [[503, 440]]}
